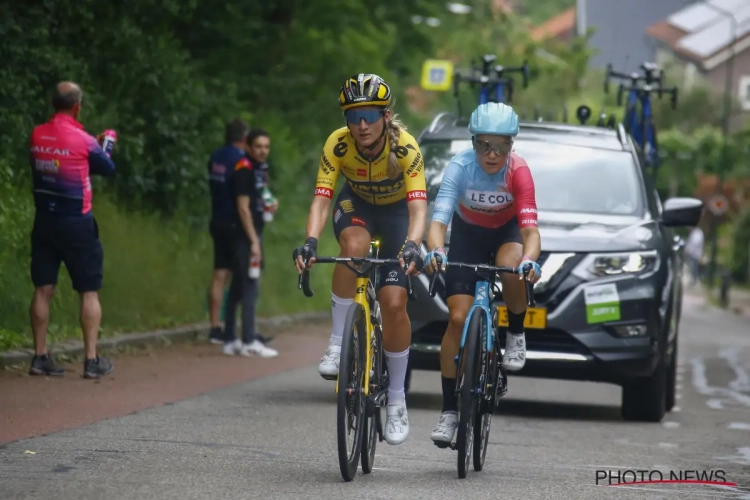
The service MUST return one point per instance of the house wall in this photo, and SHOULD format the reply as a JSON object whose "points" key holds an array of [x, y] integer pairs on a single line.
{"points": [[620, 36]]}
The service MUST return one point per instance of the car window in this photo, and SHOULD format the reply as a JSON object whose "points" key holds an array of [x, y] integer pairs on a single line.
{"points": [[566, 178]]}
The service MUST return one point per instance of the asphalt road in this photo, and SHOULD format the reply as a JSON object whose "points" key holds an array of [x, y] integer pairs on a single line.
{"points": [[274, 438]]}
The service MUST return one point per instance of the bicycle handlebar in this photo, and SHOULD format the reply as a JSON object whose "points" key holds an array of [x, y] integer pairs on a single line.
{"points": [[659, 91], [648, 78], [304, 278], [494, 270]]}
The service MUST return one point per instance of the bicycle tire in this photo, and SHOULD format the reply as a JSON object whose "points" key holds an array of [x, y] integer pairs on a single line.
{"points": [[352, 354], [487, 381], [374, 421], [467, 401]]}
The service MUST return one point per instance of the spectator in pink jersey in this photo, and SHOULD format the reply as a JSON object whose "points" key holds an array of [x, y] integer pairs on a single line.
{"points": [[62, 157]]}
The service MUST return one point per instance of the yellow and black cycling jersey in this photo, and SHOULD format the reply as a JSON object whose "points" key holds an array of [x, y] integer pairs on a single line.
{"points": [[368, 177]]}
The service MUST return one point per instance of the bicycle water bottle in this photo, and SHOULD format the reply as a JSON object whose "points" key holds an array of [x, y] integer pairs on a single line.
{"points": [[109, 141], [268, 202], [254, 272]]}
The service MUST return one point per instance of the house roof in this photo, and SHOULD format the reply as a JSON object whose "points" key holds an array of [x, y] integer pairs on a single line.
{"points": [[555, 26], [703, 31]]}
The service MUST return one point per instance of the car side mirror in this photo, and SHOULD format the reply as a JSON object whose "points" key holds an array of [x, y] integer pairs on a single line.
{"points": [[682, 212]]}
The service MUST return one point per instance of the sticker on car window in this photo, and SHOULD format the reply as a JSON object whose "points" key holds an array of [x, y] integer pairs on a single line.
{"points": [[458, 146], [602, 303]]}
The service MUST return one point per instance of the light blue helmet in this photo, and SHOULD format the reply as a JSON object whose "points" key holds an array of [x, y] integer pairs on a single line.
{"points": [[494, 118]]}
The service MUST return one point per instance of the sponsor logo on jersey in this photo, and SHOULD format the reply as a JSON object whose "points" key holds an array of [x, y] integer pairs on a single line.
{"points": [[49, 166], [415, 167], [416, 195], [50, 151], [361, 172], [321, 191], [489, 198], [325, 165], [528, 210], [358, 221]]}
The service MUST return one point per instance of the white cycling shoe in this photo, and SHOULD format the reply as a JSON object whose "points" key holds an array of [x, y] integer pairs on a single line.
{"points": [[514, 357], [396, 424], [329, 363], [445, 428]]}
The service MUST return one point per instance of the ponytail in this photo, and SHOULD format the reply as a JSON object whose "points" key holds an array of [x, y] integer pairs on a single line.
{"points": [[393, 129]]}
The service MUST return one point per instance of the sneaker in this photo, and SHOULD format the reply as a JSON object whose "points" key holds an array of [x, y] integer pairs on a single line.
{"points": [[216, 336], [329, 363], [232, 348], [445, 427], [95, 368], [514, 357], [43, 365], [257, 348], [396, 424]]}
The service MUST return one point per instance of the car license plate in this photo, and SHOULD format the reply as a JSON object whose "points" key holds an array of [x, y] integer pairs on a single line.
{"points": [[536, 317]]}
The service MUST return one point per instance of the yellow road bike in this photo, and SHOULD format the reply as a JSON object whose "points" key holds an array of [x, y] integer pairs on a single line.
{"points": [[362, 369]]}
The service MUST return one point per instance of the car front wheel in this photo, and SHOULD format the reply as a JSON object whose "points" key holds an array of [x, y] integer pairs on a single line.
{"points": [[644, 399]]}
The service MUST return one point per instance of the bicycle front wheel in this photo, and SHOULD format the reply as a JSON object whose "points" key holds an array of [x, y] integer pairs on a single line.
{"points": [[487, 380], [350, 408], [373, 427], [469, 367]]}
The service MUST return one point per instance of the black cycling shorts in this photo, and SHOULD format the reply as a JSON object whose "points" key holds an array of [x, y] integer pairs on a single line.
{"points": [[388, 223], [73, 241], [222, 234], [471, 244]]}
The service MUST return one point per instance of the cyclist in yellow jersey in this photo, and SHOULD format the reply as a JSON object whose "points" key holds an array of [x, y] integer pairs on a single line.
{"points": [[385, 193]]}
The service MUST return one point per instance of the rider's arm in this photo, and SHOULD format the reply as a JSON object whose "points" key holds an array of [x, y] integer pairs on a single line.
{"points": [[416, 192], [523, 192], [328, 173], [445, 204], [244, 185]]}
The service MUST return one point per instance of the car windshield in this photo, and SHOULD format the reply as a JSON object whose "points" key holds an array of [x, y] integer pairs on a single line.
{"points": [[566, 178]]}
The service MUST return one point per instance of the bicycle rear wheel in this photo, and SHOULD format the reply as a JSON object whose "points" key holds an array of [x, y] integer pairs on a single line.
{"points": [[485, 405], [373, 428], [350, 408], [469, 367]]}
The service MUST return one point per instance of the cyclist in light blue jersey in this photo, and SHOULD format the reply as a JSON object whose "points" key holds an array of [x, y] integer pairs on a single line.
{"points": [[487, 195]]}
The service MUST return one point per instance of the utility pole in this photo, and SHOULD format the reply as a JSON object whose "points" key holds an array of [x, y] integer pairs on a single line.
{"points": [[720, 171]]}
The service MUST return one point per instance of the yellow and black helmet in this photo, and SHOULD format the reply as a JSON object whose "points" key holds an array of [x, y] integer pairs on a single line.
{"points": [[364, 89]]}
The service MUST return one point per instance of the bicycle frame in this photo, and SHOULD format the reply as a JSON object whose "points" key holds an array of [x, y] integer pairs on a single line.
{"points": [[481, 301], [361, 296]]}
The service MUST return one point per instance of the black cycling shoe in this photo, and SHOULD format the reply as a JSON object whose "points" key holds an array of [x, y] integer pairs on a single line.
{"points": [[216, 336], [43, 365], [95, 368]]}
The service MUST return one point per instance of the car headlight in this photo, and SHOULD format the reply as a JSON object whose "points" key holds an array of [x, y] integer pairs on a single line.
{"points": [[604, 265]]}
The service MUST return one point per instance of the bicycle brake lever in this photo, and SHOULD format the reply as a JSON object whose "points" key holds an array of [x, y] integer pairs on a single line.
{"points": [[529, 286]]}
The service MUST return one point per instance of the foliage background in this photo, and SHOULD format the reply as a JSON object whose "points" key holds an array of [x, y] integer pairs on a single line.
{"points": [[168, 74]]}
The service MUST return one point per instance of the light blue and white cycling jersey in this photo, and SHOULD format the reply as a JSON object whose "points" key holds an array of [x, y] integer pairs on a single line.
{"points": [[485, 200]]}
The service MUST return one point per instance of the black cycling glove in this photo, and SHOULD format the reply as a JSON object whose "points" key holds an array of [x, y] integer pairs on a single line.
{"points": [[411, 252], [308, 250]]}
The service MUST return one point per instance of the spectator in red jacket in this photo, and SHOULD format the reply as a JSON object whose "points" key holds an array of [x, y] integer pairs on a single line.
{"points": [[63, 156]]}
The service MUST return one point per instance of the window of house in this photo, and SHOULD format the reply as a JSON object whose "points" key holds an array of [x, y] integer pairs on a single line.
{"points": [[744, 92]]}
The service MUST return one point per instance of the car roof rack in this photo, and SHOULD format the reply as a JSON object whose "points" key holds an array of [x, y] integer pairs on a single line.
{"points": [[441, 117]]}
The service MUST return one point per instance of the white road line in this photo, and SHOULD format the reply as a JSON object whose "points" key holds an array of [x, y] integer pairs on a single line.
{"points": [[739, 425], [667, 445], [671, 425], [700, 382], [676, 409]]}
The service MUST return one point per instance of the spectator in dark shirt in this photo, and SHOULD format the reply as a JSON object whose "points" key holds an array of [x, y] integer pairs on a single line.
{"points": [[223, 223], [63, 156], [236, 241], [259, 147]]}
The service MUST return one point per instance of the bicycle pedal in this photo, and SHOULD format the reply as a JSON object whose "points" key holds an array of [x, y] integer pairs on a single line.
{"points": [[442, 444], [329, 377]]}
